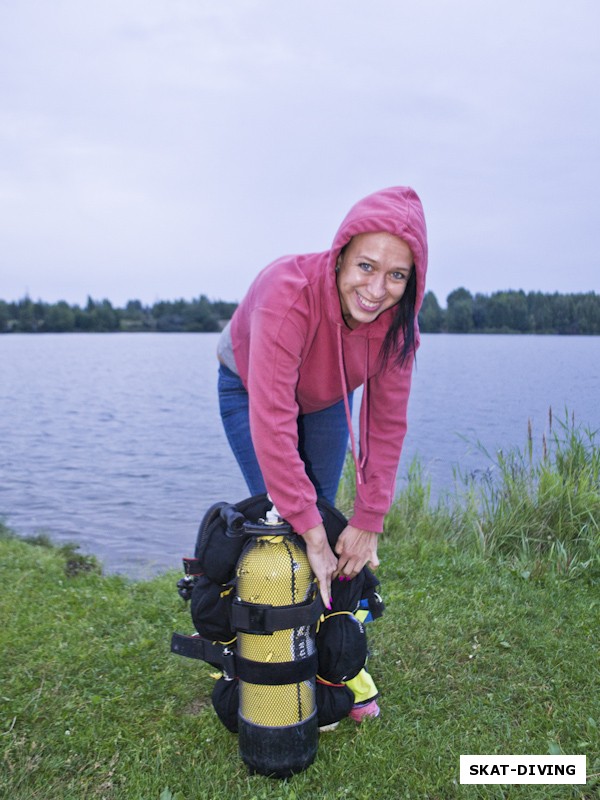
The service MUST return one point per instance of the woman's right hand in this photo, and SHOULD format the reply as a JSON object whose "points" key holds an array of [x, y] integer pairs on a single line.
{"points": [[322, 559]]}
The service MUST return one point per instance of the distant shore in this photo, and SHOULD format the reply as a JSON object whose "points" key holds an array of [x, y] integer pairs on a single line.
{"points": [[503, 312]]}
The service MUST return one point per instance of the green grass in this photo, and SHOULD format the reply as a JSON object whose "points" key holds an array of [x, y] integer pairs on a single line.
{"points": [[533, 514], [481, 650]]}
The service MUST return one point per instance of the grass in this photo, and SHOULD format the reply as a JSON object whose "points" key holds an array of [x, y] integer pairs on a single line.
{"points": [[488, 645], [533, 514]]}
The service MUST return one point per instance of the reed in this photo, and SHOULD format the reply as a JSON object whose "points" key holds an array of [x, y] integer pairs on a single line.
{"points": [[537, 506]]}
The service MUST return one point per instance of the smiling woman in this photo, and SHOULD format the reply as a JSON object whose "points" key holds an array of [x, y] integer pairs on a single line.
{"points": [[372, 275], [370, 284], [311, 329]]}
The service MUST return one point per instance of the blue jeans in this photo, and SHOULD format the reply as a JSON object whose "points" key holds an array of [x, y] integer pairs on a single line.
{"points": [[322, 438]]}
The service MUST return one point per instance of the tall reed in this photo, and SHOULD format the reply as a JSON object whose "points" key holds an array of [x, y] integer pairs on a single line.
{"points": [[537, 508]]}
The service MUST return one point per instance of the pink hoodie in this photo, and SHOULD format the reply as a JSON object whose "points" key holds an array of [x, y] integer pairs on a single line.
{"points": [[295, 355]]}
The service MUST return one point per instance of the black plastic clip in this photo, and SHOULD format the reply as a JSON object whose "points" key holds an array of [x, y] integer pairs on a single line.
{"points": [[185, 587], [228, 665]]}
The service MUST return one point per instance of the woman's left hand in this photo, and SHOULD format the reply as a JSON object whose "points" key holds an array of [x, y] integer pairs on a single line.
{"points": [[355, 548]]}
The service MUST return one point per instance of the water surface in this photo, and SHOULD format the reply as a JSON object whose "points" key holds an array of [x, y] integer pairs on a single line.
{"points": [[114, 441]]}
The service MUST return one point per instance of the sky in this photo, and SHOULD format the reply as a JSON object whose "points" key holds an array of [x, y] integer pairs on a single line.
{"points": [[163, 149]]}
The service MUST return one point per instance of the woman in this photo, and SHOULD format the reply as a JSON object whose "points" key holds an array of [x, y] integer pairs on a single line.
{"points": [[311, 329]]}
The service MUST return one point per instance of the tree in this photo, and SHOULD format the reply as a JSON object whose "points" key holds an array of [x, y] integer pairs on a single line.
{"points": [[480, 312], [135, 317], [107, 319], [169, 314], [223, 310], [431, 316], [508, 311], [459, 316], [26, 321], [4, 316], [540, 312], [199, 316], [97, 316], [587, 311], [563, 317], [60, 318]]}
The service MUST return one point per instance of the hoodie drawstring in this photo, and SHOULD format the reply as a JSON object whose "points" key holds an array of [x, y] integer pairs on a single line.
{"points": [[359, 465], [364, 412]]}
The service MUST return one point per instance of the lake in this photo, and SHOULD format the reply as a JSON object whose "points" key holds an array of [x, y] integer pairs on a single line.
{"points": [[114, 441]]}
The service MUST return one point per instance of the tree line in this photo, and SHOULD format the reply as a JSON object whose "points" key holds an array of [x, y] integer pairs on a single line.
{"points": [[500, 312], [198, 315], [512, 312]]}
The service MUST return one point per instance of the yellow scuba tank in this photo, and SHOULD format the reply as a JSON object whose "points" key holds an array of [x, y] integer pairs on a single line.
{"points": [[277, 720]]}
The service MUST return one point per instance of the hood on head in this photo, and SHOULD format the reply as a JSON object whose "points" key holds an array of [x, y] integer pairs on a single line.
{"points": [[396, 210]]}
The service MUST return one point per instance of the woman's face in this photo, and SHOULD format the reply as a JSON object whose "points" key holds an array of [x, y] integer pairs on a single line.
{"points": [[372, 275]]}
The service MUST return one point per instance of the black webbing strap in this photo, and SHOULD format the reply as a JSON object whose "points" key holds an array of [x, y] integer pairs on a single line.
{"points": [[192, 566], [234, 666], [273, 674], [260, 619], [202, 649], [376, 604]]}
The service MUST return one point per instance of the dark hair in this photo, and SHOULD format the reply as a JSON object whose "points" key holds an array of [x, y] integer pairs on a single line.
{"points": [[399, 341]]}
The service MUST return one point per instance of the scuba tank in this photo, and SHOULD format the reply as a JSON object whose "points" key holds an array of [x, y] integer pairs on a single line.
{"points": [[277, 720], [260, 620]]}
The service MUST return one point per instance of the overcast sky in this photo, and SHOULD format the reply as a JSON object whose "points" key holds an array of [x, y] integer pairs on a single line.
{"points": [[158, 149]]}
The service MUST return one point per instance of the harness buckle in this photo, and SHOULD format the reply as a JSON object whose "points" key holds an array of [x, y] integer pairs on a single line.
{"points": [[185, 587], [229, 671]]}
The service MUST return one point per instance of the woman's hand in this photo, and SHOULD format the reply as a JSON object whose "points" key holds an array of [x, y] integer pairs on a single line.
{"points": [[322, 560], [356, 548]]}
